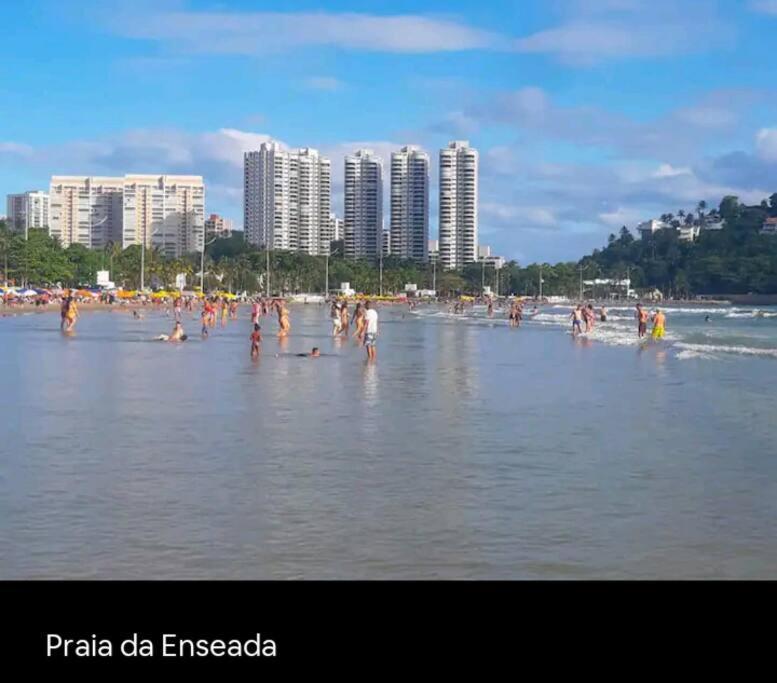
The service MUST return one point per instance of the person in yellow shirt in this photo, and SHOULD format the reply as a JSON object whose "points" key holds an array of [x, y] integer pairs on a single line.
{"points": [[659, 321]]}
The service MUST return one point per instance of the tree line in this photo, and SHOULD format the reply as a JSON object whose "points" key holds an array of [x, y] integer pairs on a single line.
{"points": [[735, 259]]}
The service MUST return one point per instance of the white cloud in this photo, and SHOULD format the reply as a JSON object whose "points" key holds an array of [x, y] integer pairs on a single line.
{"points": [[764, 6], [326, 83], [621, 216], [669, 171], [15, 148], [251, 33], [593, 32], [766, 144]]}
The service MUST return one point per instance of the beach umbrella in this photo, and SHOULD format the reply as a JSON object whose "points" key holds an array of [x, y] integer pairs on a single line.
{"points": [[29, 292]]}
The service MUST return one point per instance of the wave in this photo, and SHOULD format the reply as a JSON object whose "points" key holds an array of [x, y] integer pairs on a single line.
{"points": [[721, 348]]}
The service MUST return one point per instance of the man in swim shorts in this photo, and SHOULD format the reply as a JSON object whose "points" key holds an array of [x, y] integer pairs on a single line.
{"points": [[371, 330], [659, 320], [642, 318], [577, 321]]}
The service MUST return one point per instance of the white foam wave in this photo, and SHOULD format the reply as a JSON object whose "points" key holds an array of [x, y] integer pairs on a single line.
{"points": [[720, 348]]}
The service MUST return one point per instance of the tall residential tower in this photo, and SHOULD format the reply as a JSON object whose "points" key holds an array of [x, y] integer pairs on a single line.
{"points": [[287, 198], [410, 204], [27, 210], [458, 205], [363, 205]]}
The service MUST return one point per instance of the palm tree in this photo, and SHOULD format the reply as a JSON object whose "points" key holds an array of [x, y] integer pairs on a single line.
{"points": [[700, 208]]}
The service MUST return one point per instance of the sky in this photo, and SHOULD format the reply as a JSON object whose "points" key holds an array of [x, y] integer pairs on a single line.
{"points": [[588, 114]]}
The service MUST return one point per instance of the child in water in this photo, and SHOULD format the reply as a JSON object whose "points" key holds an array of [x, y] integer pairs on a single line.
{"points": [[256, 338]]}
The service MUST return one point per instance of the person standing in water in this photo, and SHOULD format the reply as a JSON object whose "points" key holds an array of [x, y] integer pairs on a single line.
{"points": [[659, 321], [577, 321], [256, 338], [71, 315], [603, 314], [337, 320], [358, 321], [283, 320], [642, 318], [344, 319], [371, 330]]}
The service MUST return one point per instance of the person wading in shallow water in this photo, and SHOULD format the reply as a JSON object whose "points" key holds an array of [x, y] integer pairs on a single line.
{"points": [[371, 331]]}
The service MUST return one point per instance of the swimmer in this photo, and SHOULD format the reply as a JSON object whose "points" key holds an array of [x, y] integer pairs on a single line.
{"points": [[71, 314], [176, 335], [315, 353], [204, 316], [337, 320], [371, 331], [577, 321], [706, 318], [344, 321], [256, 338], [642, 318], [283, 320], [659, 321], [358, 321]]}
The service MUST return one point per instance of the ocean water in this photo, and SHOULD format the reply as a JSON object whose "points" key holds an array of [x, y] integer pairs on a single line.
{"points": [[469, 450]]}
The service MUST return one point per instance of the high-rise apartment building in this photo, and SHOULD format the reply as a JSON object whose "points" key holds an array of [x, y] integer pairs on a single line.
{"points": [[336, 227], [458, 205], [86, 210], [363, 205], [287, 199], [165, 212], [410, 204], [27, 210], [162, 211]]}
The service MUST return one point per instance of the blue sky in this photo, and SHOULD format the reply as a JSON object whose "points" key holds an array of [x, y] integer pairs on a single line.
{"points": [[589, 114]]}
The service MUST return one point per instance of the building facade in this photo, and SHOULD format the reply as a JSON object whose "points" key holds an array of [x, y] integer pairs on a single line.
{"points": [[164, 212], [161, 211], [287, 199], [336, 227], [458, 230], [86, 210], [27, 210], [410, 204], [218, 226], [363, 221]]}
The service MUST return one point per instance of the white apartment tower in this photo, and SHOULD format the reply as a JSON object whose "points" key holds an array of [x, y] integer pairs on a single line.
{"points": [[363, 205], [336, 227], [86, 210], [410, 204], [165, 212], [162, 211], [287, 198], [27, 210], [458, 205]]}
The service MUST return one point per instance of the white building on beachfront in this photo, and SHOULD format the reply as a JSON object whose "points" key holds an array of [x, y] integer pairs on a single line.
{"points": [[161, 211], [86, 210], [27, 210], [769, 226], [165, 212], [410, 203], [651, 227], [363, 205], [218, 226], [287, 199], [458, 229]]}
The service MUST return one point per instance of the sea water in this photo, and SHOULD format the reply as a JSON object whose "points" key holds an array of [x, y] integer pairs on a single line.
{"points": [[468, 450]]}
